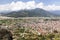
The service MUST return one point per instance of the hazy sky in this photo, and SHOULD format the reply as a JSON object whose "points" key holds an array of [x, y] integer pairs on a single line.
{"points": [[29, 4], [46, 2]]}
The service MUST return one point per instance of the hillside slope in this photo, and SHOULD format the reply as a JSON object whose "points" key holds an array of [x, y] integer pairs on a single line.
{"points": [[29, 13]]}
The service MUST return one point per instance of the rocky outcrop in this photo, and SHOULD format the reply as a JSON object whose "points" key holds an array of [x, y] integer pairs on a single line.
{"points": [[5, 34]]}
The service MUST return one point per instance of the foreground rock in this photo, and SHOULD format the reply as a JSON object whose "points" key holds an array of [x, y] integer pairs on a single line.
{"points": [[5, 34]]}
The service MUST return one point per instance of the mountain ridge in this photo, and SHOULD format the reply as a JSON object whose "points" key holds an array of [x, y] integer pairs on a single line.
{"points": [[29, 13]]}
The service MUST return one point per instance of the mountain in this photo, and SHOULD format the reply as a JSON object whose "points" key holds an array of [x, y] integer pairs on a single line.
{"points": [[57, 12], [29, 13]]}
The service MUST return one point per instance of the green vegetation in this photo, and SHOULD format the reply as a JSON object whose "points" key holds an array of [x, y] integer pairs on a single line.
{"points": [[30, 13]]}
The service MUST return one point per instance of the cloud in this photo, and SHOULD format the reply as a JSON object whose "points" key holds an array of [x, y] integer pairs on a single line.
{"points": [[27, 5], [52, 7], [4, 7], [30, 5], [40, 5]]}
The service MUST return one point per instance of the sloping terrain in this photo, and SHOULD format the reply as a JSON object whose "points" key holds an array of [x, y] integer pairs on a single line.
{"points": [[29, 13]]}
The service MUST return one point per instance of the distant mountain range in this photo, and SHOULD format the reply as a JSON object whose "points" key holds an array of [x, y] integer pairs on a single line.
{"points": [[57, 12], [29, 13]]}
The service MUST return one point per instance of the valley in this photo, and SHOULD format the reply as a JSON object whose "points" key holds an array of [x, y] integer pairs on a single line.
{"points": [[31, 28]]}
